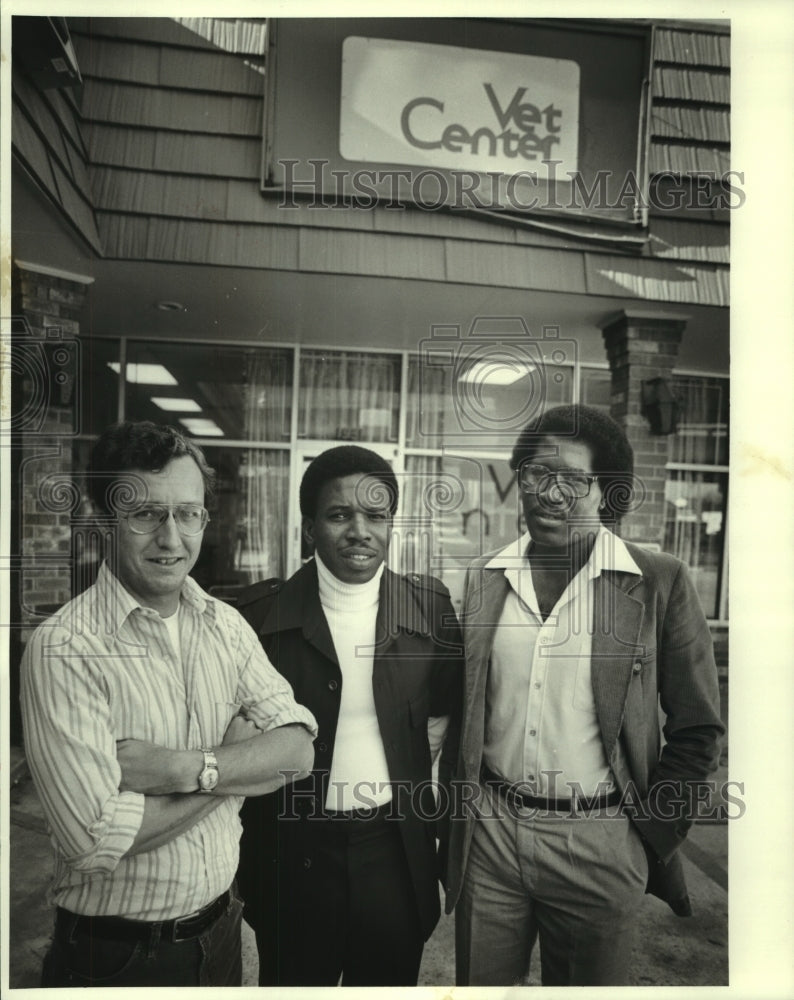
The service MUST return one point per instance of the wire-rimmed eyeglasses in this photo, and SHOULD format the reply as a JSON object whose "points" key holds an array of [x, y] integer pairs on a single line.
{"points": [[190, 518], [539, 479]]}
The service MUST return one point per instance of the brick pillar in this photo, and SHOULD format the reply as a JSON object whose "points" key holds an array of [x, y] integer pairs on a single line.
{"points": [[641, 346], [45, 418]]}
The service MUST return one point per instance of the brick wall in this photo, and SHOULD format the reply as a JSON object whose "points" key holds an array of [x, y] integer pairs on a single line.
{"points": [[44, 419]]}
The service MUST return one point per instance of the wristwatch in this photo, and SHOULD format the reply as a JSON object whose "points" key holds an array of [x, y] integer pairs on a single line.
{"points": [[208, 778]]}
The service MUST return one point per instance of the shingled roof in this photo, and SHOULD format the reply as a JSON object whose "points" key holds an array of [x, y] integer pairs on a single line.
{"points": [[159, 158]]}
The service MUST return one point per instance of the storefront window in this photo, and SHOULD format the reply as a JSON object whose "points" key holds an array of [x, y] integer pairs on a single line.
{"points": [[454, 509], [702, 437], [237, 401], [695, 529], [212, 391], [450, 403], [349, 396], [697, 486], [459, 498], [596, 388], [246, 539], [98, 390]]}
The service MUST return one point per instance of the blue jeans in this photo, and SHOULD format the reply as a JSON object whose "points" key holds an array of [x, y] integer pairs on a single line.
{"points": [[76, 958]]}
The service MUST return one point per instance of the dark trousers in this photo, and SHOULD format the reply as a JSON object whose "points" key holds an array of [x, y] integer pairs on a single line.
{"points": [[77, 957], [349, 911]]}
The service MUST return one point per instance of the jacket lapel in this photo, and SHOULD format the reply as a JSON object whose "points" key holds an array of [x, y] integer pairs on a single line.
{"points": [[615, 649], [298, 607], [486, 593], [398, 610], [485, 599]]}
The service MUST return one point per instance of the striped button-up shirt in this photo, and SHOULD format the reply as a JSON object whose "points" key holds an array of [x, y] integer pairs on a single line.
{"points": [[541, 726], [103, 669]]}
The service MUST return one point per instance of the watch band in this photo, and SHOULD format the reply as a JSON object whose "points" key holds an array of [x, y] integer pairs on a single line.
{"points": [[208, 778]]}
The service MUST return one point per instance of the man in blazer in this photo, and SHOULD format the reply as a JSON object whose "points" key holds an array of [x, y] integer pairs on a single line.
{"points": [[568, 804], [340, 879]]}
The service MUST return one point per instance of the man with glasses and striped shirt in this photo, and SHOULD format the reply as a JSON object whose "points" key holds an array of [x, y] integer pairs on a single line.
{"points": [[150, 711]]}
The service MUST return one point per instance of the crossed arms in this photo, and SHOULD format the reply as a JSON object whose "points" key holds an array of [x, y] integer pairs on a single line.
{"points": [[107, 798], [250, 762]]}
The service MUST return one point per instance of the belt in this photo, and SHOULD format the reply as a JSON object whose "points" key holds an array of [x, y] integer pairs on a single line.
{"points": [[120, 929], [511, 794], [362, 814]]}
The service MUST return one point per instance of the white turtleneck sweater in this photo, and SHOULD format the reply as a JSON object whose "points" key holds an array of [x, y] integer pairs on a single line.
{"points": [[359, 772]]}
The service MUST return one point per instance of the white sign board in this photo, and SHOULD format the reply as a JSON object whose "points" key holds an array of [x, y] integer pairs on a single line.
{"points": [[457, 108]]}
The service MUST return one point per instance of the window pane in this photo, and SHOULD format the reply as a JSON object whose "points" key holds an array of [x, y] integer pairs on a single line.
{"points": [[596, 388], [702, 436], [99, 384], [349, 396], [450, 403], [695, 529], [454, 509], [237, 393], [246, 538]]}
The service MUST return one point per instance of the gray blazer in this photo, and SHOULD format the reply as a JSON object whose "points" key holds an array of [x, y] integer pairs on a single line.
{"points": [[651, 646]]}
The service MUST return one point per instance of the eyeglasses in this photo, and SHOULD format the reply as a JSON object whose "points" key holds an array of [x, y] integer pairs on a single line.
{"points": [[538, 479], [190, 518]]}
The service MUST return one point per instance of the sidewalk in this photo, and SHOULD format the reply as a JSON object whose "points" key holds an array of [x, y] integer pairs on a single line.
{"points": [[670, 951]]}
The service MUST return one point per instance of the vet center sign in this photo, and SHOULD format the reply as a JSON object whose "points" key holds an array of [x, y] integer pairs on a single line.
{"points": [[457, 108], [477, 114]]}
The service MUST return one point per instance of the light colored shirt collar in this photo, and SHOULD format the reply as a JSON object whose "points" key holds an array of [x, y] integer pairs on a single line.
{"points": [[118, 603], [609, 553]]}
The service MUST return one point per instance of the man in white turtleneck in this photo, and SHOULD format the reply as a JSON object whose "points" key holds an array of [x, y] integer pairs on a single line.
{"points": [[358, 765], [340, 876]]}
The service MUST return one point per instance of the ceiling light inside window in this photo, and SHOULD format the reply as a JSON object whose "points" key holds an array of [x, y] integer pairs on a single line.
{"points": [[201, 427], [497, 371], [144, 374], [176, 405]]}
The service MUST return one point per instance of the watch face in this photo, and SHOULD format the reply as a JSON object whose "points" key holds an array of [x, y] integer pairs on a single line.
{"points": [[208, 779]]}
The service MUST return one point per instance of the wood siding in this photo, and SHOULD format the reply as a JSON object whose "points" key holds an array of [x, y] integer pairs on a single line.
{"points": [[164, 163]]}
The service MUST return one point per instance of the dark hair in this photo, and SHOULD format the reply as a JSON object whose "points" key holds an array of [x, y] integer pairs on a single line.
{"points": [[142, 446], [613, 456], [346, 460]]}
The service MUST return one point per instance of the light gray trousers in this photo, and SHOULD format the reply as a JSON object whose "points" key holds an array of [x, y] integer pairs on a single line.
{"points": [[574, 884]]}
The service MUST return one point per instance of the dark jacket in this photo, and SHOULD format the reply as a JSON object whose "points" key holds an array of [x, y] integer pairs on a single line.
{"points": [[417, 673], [651, 646]]}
